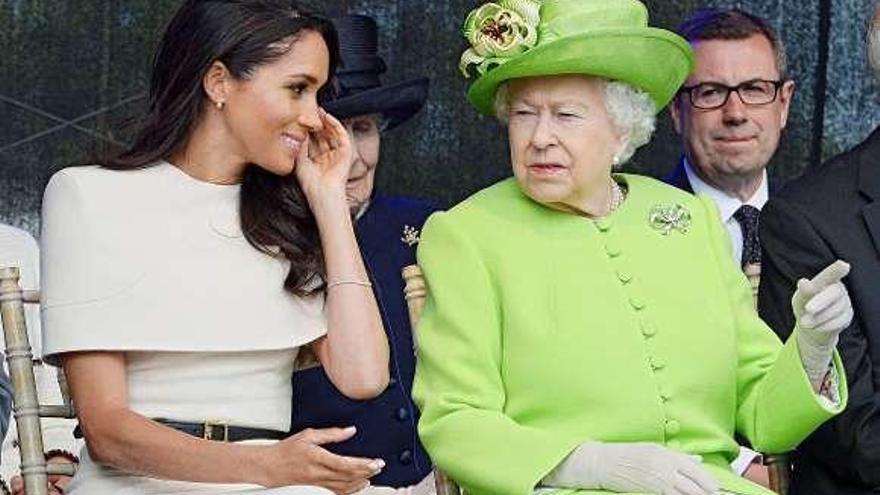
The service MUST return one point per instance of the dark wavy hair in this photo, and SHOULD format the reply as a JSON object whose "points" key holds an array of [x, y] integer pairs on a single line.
{"points": [[732, 24], [242, 34]]}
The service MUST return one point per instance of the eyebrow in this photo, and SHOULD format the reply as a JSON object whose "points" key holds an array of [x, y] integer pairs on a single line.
{"points": [[747, 81], [561, 103], [308, 77]]}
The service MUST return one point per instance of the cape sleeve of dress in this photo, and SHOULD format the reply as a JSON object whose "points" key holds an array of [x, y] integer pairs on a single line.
{"points": [[134, 261]]}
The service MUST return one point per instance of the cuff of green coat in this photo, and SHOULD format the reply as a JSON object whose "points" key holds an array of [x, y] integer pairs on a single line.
{"points": [[790, 409]]}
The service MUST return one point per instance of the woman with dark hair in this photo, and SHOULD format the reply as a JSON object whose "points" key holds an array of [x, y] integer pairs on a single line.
{"points": [[181, 277]]}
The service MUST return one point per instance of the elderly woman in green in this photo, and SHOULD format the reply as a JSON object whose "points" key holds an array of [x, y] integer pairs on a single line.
{"points": [[587, 331]]}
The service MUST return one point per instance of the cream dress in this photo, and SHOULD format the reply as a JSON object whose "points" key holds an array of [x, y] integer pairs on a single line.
{"points": [[153, 263]]}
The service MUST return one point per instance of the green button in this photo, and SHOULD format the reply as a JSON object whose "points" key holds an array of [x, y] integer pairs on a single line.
{"points": [[612, 250]]}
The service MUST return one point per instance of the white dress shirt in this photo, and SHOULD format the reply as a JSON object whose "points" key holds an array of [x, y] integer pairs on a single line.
{"points": [[728, 205]]}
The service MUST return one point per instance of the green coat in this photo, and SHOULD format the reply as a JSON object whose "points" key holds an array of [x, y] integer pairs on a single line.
{"points": [[544, 329]]}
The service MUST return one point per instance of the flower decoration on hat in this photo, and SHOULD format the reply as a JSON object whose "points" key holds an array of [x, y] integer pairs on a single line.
{"points": [[497, 32]]}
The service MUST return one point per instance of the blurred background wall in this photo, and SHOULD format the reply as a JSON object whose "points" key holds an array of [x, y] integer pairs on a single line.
{"points": [[73, 78]]}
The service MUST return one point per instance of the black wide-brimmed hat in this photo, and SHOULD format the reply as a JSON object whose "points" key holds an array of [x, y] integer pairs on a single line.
{"points": [[357, 89]]}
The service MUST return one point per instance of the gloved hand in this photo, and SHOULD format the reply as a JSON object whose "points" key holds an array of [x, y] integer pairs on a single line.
{"points": [[822, 309], [632, 467]]}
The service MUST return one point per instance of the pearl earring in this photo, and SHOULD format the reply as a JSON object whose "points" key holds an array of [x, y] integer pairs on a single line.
{"points": [[219, 105]]}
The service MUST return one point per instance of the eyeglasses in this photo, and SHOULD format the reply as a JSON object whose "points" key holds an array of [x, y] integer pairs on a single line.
{"points": [[712, 95]]}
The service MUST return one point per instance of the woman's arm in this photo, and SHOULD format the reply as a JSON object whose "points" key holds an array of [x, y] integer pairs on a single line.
{"points": [[125, 440], [355, 351], [776, 405], [459, 385]]}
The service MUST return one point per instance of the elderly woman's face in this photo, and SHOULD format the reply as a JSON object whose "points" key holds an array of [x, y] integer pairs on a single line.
{"points": [[365, 136], [562, 140]]}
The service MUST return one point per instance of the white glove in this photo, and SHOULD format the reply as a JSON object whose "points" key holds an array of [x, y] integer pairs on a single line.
{"points": [[822, 309], [632, 467]]}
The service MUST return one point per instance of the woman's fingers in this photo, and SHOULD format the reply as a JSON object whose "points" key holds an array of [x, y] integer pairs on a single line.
{"points": [[807, 289], [838, 323], [303, 156], [320, 436], [333, 127], [831, 305], [834, 310], [825, 298], [693, 479], [350, 467]]}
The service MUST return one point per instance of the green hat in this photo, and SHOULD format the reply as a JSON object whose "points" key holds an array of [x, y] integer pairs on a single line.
{"points": [[511, 39]]}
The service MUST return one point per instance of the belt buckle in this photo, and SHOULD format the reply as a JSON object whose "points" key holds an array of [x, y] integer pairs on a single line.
{"points": [[208, 430]]}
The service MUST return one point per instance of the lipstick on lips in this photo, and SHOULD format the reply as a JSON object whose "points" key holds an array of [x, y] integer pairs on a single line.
{"points": [[292, 143], [545, 168]]}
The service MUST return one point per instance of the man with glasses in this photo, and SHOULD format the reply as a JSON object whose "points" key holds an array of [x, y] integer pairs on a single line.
{"points": [[730, 114]]}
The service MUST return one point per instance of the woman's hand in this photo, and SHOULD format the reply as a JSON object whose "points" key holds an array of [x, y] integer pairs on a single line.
{"points": [[632, 467], [300, 460], [324, 162], [57, 483], [822, 309]]}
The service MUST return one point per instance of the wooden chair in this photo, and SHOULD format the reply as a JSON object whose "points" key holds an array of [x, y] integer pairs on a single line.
{"points": [[26, 407], [415, 291], [779, 471]]}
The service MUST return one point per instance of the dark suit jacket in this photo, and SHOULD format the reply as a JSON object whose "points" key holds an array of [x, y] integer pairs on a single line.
{"points": [[678, 178], [386, 425], [833, 212]]}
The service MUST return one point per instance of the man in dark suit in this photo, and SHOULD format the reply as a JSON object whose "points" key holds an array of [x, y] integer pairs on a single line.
{"points": [[834, 212], [387, 230], [730, 114]]}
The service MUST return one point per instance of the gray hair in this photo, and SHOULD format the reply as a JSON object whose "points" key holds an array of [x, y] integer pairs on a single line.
{"points": [[632, 111], [874, 41]]}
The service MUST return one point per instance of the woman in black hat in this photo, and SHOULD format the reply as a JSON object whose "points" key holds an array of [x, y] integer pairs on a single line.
{"points": [[387, 231]]}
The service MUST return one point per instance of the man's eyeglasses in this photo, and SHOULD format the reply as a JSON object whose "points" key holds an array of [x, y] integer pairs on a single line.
{"points": [[712, 95]]}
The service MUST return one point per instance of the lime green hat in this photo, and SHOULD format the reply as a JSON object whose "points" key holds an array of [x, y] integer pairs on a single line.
{"points": [[511, 39]]}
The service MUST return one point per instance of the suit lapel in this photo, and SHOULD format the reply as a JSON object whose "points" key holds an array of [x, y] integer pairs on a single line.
{"points": [[679, 178], [871, 214], [869, 184]]}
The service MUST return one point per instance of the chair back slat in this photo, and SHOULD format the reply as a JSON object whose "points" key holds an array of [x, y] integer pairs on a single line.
{"points": [[779, 471], [414, 291], [19, 357]]}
